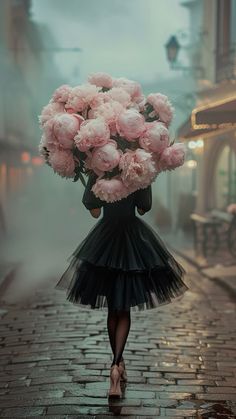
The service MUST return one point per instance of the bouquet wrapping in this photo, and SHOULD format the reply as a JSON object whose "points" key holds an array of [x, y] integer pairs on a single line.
{"points": [[107, 126]]}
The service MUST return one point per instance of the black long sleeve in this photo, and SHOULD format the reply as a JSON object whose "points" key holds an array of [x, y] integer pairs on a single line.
{"points": [[90, 200], [143, 198]]}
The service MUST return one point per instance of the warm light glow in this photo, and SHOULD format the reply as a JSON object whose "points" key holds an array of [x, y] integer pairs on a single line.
{"points": [[200, 143], [207, 134], [25, 157], [196, 144], [37, 161], [191, 164]]}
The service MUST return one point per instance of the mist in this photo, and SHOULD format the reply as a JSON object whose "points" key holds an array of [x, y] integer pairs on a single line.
{"points": [[43, 215]]}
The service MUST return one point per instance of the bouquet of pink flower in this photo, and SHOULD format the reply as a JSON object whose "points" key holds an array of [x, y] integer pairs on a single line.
{"points": [[107, 126]]}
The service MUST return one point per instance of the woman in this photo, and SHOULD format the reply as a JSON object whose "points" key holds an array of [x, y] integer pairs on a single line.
{"points": [[122, 264]]}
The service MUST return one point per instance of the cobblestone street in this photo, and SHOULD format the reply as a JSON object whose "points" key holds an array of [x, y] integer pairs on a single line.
{"points": [[180, 358]]}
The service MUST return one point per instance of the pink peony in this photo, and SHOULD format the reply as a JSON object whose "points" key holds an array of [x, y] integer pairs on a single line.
{"points": [[88, 164], [172, 157], [98, 100], [49, 143], [110, 190], [100, 80], [131, 87], [155, 138], [139, 103], [93, 133], [162, 107], [106, 157], [130, 124], [120, 95], [109, 111], [49, 111], [81, 96], [48, 130], [138, 168], [61, 94], [65, 128], [62, 162]]}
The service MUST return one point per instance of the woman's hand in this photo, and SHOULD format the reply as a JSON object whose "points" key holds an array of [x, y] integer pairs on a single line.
{"points": [[95, 212], [141, 211]]}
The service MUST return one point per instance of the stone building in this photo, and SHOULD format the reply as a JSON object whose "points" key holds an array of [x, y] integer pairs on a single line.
{"points": [[210, 130]]}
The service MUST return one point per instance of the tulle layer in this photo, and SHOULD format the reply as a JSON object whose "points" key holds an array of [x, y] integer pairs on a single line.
{"points": [[126, 243], [102, 287], [121, 264]]}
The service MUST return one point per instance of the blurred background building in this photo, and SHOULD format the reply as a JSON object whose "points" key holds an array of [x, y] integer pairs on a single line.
{"points": [[209, 130], [27, 73]]}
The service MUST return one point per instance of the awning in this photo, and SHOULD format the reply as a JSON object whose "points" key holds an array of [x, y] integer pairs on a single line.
{"points": [[210, 117], [186, 131]]}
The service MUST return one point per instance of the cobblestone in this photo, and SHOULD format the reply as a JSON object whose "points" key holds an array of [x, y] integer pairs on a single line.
{"points": [[180, 358]]}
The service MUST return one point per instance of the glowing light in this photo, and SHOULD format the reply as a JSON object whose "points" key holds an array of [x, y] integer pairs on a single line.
{"points": [[197, 146], [37, 161], [25, 157], [192, 144], [200, 143], [191, 164]]}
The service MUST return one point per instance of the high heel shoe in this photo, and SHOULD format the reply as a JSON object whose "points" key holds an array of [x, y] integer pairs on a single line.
{"points": [[115, 390], [123, 373]]}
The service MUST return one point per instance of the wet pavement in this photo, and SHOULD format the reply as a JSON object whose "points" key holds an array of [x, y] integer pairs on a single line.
{"points": [[180, 358]]}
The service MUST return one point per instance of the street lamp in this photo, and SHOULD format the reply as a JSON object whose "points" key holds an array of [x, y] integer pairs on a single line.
{"points": [[172, 49]]}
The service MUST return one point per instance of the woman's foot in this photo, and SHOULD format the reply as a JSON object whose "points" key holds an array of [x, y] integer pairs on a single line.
{"points": [[115, 390], [123, 374]]}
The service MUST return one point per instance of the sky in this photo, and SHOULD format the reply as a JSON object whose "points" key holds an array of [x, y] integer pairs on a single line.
{"points": [[125, 38]]}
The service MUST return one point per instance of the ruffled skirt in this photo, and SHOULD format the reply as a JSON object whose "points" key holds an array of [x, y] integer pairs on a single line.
{"points": [[122, 264]]}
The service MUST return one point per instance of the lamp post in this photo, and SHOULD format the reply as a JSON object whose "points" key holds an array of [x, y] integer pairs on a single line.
{"points": [[172, 50]]}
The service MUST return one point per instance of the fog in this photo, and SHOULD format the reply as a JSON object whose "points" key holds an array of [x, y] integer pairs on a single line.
{"points": [[44, 217], [121, 37]]}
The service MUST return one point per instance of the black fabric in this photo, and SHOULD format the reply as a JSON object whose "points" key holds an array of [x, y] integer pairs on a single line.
{"points": [[143, 198], [122, 262], [90, 200]]}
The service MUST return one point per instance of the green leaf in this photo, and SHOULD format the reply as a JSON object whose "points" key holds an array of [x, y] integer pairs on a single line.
{"points": [[105, 89], [151, 119], [76, 177], [149, 108], [82, 179]]}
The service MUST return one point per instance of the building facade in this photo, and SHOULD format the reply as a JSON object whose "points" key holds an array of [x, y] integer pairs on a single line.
{"points": [[210, 130], [27, 78]]}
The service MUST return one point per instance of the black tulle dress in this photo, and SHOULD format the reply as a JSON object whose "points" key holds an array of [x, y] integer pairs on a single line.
{"points": [[122, 263]]}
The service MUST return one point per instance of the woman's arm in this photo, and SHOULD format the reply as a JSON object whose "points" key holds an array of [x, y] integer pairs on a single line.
{"points": [[141, 211], [143, 200], [90, 201]]}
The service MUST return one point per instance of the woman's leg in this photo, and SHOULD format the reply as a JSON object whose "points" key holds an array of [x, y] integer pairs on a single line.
{"points": [[118, 325], [111, 328]]}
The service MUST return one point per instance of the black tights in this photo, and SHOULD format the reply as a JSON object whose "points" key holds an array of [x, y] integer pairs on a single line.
{"points": [[118, 326]]}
